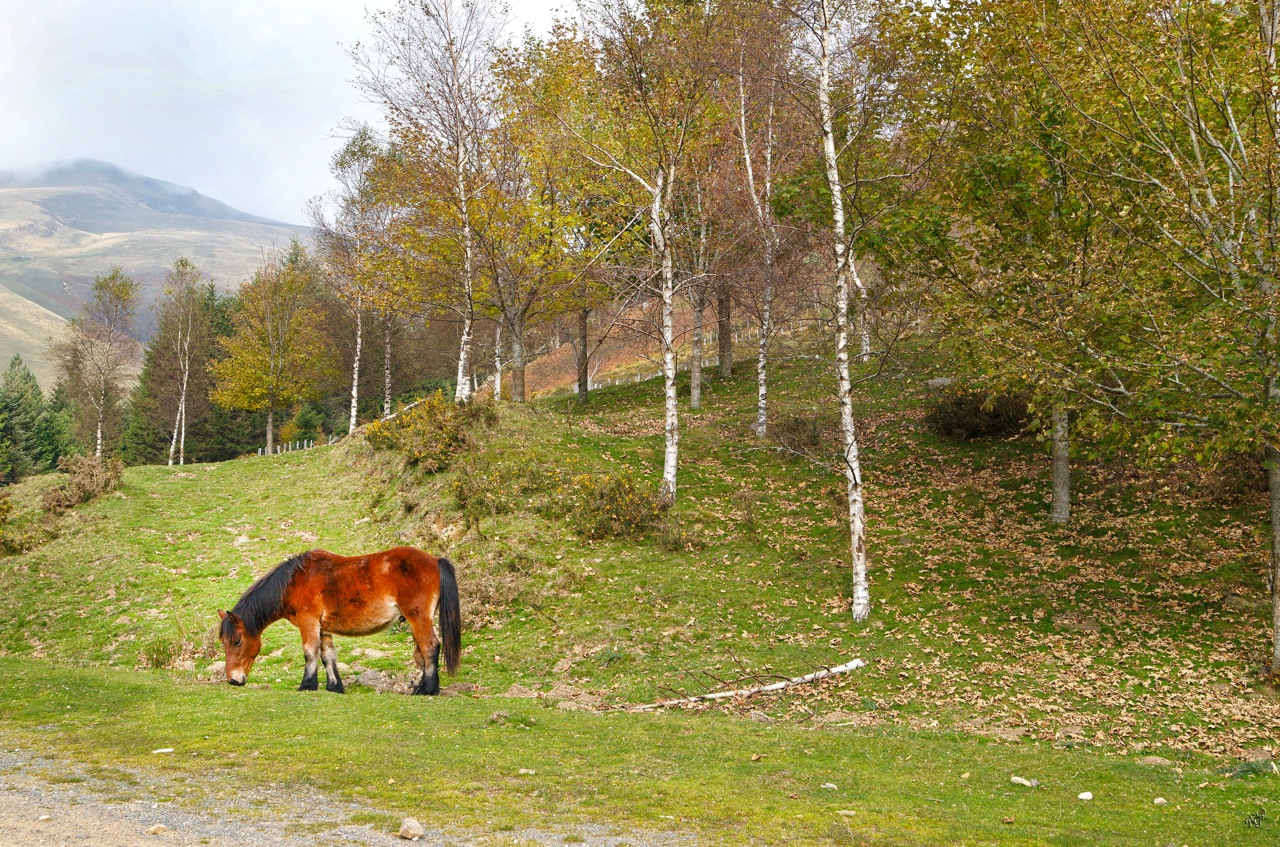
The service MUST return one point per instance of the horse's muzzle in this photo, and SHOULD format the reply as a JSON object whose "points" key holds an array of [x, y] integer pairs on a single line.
{"points": [[235, 682]]}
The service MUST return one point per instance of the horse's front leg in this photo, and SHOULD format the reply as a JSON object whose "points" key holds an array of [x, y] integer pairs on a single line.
{"points": [[329, 655], [311, 651]]}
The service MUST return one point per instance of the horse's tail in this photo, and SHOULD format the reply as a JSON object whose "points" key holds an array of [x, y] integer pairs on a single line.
{"points": [[450, 616]]}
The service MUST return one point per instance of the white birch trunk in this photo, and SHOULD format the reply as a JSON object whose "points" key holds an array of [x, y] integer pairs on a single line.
{"points": [[497, 362], [768, 235], [271, 432], [671, 428], [1273, 488], [97, 450], [177, 424], [386, 369], [762, 363], [463, 391], [182, 437], [355, 366], [844, 272], [695, 354], [1060, 512]]}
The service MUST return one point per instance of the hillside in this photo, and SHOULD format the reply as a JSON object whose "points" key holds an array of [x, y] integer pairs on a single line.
{"points": [[64, 224], [1117, 655]]}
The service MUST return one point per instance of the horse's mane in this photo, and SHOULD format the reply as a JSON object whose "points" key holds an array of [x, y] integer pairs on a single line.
{"points": [[261, 601]]}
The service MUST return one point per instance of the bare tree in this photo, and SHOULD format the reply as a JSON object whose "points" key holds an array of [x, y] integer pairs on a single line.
{"points": [[430, 64], [98, 351], [350, 244], [182, 335]]}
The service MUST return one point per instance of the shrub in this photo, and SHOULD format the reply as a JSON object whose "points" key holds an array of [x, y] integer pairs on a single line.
{"points": [[613, 505], [804, 433], [964, 415], [88, 477], [431, 433], [1235, 479]]}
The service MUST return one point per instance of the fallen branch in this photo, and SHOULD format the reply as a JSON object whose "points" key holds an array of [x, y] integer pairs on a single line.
{"points": [[760, 689]]}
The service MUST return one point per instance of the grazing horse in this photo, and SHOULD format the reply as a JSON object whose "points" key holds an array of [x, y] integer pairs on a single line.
{"points": [[324, 595]]}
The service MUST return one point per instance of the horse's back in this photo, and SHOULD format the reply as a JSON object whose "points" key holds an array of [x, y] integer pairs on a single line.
{"points": [[356, 595]]}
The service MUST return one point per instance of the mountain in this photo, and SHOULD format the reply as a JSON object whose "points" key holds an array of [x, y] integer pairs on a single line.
{"points": [[63, 224]]}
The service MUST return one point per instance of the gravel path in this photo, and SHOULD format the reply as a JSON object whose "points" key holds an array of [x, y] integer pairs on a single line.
{"points": [[40, 806], [50, 802]]}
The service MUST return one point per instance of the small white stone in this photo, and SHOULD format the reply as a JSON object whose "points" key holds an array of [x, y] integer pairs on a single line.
{"points": [[158, 829], [848, 813], [1017, 780], [1160, 801], [163, 750], [1085, 795], [527, 772], [45, 818], [829, 785]]}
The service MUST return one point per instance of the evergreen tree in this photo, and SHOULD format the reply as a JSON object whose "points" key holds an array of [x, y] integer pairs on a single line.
{"points": [[21, 405]]}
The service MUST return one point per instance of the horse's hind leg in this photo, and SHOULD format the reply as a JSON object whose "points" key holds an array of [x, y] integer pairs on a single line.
{"points": [[329, 655], [311, 652], [426, 652]]}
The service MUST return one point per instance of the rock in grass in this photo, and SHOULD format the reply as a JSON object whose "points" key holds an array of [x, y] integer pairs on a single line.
{"points": [[1029, 783], [1160, 801], [1085, 795], [411, 830], [158, 829], [1155, 761]]}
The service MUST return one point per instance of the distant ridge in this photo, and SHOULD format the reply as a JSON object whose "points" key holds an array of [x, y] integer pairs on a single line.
{"points": [[63, 223]]}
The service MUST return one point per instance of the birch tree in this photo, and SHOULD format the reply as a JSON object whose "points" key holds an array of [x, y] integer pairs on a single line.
{"points": [[652, 94], [430, 64], [182, 336], [862, 107], [98, 351], [349, 244]]}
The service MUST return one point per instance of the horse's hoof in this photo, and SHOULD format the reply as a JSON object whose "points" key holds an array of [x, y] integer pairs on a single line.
{"points": [[336, 689]]}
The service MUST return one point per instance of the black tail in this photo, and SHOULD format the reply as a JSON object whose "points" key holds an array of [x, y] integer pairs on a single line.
{"points": [[450, 616]]}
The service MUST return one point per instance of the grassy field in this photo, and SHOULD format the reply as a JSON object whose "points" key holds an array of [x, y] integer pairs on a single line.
{"points": [[999, 645]]}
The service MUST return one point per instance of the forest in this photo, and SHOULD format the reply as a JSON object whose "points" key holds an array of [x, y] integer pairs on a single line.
{"points": [[1072, 203]]}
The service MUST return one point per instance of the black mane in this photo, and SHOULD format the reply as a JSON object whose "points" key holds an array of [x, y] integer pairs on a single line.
{"points": [[261, 602]]}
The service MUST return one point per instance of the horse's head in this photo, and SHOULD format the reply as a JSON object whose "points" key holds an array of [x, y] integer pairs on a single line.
{"points": [[242, 648]]}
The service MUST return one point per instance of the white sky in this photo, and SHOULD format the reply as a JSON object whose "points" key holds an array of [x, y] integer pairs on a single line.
{"points": [[239, 99]]}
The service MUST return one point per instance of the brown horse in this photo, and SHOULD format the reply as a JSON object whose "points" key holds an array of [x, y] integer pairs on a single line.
{"points": [[324, 595]]}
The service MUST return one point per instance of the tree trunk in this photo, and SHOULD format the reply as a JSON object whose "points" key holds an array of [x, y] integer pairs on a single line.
{"points": [[844, 271], [271, 432], [1060, 512], [671, 428], [463, 391], [695, 354], [386, 369], [762, 361], [584, 373], [1273, 486], [864, 321], [497, 362], [724, 316], [355, 368], [182, 439], [173, 442], [97, 450], [517, 362]]}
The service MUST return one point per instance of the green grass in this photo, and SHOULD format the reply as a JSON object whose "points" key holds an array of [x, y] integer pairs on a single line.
{"points": [[700, 770], [998, 644]]}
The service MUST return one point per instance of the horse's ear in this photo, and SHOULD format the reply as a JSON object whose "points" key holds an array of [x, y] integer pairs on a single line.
{"points": [[222, 616]]}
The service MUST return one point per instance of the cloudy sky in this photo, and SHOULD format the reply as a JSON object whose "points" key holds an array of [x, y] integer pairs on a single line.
{"points": [[240, 99]]}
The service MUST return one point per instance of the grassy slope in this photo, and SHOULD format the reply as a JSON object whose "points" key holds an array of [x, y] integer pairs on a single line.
{"points": [[965, 652]]}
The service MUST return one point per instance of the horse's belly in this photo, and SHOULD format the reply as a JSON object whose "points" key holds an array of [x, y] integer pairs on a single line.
{"points": [[364, 621]]}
